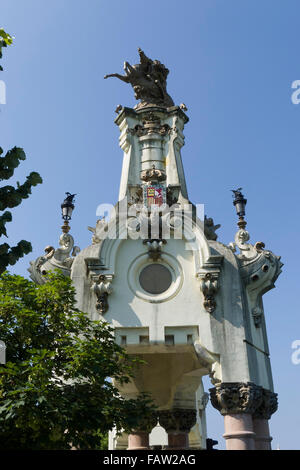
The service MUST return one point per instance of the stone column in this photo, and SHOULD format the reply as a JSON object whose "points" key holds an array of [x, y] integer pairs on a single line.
{"points": [[261, 420], [177, 423], [237, 402], [138, 439]]}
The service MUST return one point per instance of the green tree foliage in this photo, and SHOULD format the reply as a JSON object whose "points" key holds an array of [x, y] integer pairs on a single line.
{"points": [[55, 389], [5, 40], [9, 195]]}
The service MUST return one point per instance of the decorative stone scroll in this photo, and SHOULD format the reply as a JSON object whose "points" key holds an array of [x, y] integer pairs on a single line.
{"points": [[177, 420], [236, 397]]}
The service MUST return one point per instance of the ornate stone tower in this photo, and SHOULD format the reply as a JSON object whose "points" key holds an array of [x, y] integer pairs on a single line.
{"points": [[185, 303]]}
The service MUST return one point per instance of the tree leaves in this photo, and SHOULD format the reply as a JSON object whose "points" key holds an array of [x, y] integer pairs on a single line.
{"points": [[11, 197], [54, 388]]}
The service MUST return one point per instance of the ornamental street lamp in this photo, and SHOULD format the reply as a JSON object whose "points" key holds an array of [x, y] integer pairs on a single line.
{"points": [[240, 203], [67, 208]]}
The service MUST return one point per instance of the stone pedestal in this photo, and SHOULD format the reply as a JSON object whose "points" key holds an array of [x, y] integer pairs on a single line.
{"points": [[239, 434]]}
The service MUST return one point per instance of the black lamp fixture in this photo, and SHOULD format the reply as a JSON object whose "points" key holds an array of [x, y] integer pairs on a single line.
{"points": [[67, 208], [240, 203]]}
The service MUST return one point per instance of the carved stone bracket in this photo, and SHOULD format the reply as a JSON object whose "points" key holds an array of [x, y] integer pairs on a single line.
{"points": [[209, 286], [268, 405], [102, 288], [153, 174], [177, 420], [257, 314], [236, 397]]}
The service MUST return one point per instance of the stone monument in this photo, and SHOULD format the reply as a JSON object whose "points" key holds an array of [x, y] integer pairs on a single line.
{"points": [[187, 304]]}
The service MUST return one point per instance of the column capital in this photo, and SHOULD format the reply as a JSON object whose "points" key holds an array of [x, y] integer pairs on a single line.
{"points": [[268, 406], [236, 397], [177, 420]]}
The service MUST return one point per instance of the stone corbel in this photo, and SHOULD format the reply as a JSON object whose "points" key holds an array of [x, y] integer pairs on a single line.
{"points": [[209, 286], [102, 288]]}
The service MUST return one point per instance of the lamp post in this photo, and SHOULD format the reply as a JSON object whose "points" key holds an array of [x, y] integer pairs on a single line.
{"points": [[240, 203], [67, 208]]}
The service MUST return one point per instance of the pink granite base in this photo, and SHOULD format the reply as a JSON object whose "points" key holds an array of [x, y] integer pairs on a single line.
{"points": [[262, 434], [178, 441], [239, 432]]}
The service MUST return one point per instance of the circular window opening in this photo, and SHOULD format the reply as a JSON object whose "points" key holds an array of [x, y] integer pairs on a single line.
{"points": [[155, 278]]}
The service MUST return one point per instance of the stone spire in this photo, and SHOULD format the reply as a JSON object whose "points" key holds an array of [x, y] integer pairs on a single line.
{"points": [[151, 133], [151, 139]]}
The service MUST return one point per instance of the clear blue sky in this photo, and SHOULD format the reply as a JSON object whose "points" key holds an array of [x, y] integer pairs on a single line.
{"points": [[232, 63]]}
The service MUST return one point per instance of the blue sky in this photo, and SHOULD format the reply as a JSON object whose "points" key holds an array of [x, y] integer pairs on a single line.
{"points": [[232, 63]]}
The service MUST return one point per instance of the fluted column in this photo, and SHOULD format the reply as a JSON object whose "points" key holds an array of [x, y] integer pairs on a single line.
{"points": [[178, 423], [237, 402], [261, 420], [138, 439]]}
